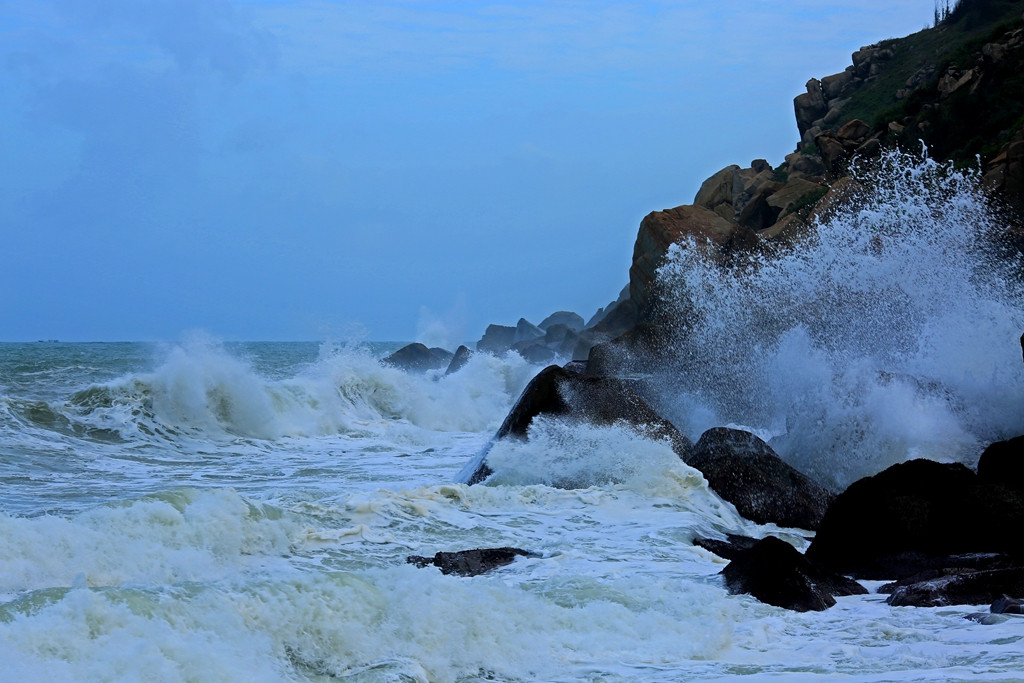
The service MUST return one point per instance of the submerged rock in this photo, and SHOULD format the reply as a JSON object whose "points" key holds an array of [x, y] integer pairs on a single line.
{"points": [[777, 574], [470, 562], [745, 471], [1007, 605], [596, 400]]}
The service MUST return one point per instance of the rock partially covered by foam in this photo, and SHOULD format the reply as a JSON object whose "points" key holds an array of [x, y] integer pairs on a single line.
{"points": [[470, 562], [745, 471], [586, 398], [417, 357], [958, 586], [776, 573], [915, 516]]}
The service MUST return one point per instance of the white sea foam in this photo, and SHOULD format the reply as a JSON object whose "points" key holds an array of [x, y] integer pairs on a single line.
{"points": [[889, 332], [173, 537], [201, 388]]}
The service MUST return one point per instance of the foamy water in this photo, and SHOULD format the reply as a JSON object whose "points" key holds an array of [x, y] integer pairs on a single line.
{"points": [[212, 512]]}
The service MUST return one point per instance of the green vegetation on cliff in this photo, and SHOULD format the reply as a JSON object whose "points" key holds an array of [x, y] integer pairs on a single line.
{"points": [[908, 87]]}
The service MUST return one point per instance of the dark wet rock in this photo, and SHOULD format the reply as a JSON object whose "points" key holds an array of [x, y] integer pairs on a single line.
{"points": [[775, 573], [526, 331], [1002, 463], [459, 360], [638, 350], [470, 562], [586, 398], [497, 339], [745, 471], [576, 367], [536, 353], [730, 548], [912, 517], [960, 587], [418, 358], [574, 321], [1007, 605]]}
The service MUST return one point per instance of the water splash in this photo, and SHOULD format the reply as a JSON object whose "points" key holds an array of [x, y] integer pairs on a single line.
{"points": [[203, 389], [888, 331]]}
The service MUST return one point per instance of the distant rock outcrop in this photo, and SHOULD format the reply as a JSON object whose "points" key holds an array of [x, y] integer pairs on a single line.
{"points": [[417, 357]]}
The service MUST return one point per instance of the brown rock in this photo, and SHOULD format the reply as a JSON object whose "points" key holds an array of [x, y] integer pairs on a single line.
{"points": [[795, 194], [855, 131], [717, 189], [714, 235]]}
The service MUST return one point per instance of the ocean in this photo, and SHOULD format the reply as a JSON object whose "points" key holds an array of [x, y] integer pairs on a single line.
{"points": [[213, 511]]}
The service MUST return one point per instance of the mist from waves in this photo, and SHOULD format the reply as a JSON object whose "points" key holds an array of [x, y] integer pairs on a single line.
{"points": [[890, 331]]}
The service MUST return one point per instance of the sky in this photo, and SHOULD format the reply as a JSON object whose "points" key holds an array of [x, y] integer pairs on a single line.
{"points": [[391, 170]]}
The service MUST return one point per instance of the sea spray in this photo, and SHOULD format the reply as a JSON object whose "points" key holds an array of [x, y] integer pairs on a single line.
{"points": [[888, 330], [202, 389]]}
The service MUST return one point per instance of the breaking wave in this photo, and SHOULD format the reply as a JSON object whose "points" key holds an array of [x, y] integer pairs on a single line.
{"points": [[889, 330]]}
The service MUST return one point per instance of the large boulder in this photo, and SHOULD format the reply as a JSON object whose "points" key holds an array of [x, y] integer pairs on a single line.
{"points": [[586, 398], [913, 517], [744, 470], [716, 193], [417, 357], [1002, 463], [775, 573], [716, 236]]}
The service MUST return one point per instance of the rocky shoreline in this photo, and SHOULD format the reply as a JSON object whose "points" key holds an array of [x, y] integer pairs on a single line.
{"points": [[941, 533]]}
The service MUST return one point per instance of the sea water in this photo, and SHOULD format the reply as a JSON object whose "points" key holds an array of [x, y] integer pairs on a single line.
{"points": [[206, 511]]}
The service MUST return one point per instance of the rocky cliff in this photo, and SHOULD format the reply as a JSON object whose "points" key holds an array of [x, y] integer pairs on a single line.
{"points": [[957, 87]]}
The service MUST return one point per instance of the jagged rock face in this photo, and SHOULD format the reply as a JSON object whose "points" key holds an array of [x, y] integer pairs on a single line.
{"points": [[745, 471], [809, 106], [717, 236]]}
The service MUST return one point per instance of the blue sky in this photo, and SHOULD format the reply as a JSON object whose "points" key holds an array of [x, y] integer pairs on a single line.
{"points": [[314, 169]]}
